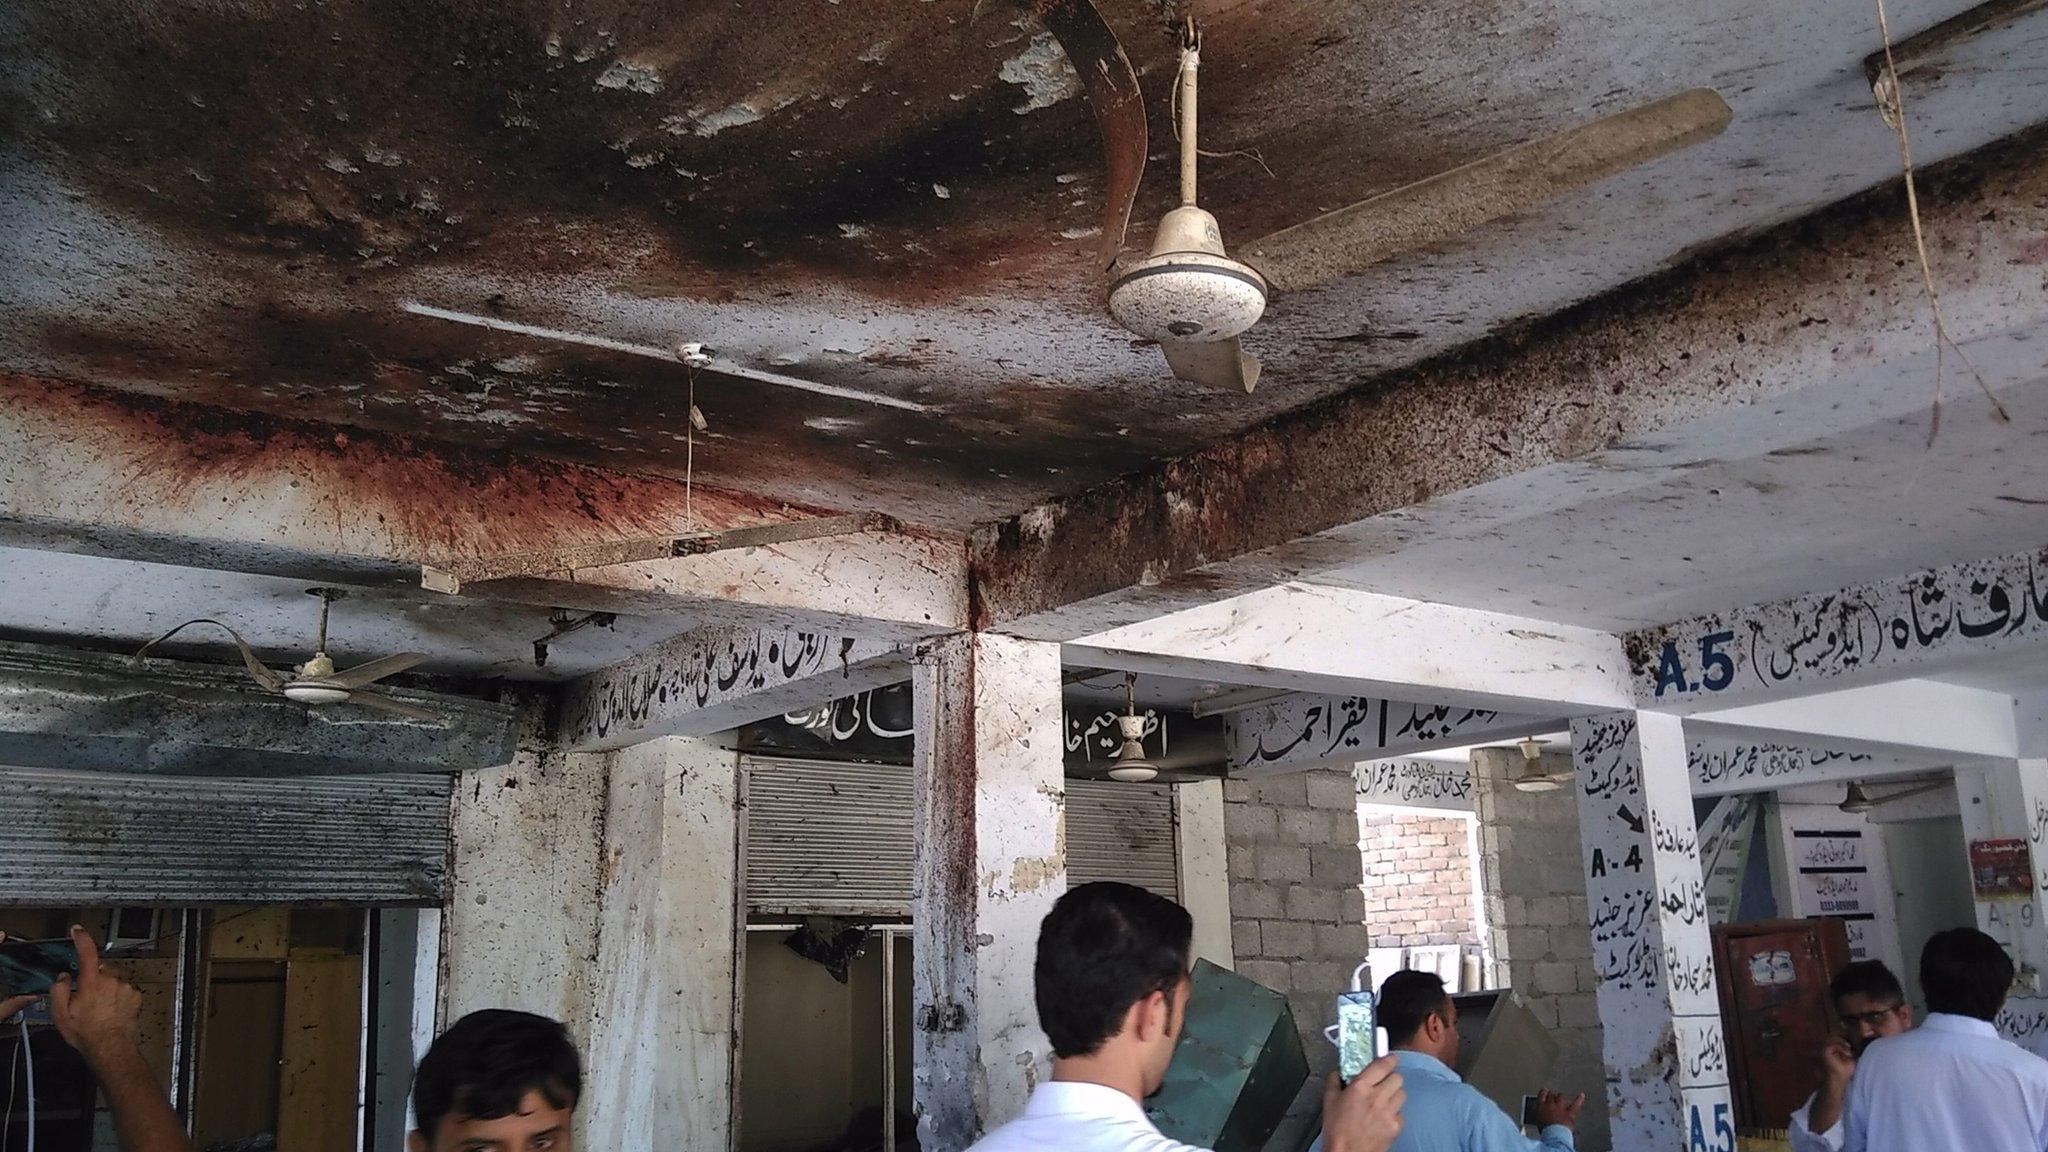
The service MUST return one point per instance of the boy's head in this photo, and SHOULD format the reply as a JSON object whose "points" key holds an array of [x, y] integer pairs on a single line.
{"points": [[1112, 976], [498, 1081]]}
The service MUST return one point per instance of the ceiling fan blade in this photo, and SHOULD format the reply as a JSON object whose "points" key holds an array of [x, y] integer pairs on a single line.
{"points": [[270, 681], [1217, 363], [375, 670], [1112, 84], [1449, 204], [395, 707]]}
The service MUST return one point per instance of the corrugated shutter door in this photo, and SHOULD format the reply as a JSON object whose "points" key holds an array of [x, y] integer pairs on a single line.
{"points": [[1122, 832], [834, 839], [828, 838], [82, 838]]}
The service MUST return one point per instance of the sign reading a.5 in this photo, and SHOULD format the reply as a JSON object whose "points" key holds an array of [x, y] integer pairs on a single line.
{"points": [[1723, 1129], [1717, 668]]}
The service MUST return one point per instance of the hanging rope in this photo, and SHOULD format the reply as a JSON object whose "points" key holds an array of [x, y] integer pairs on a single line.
{"points": [[1891, 105]]}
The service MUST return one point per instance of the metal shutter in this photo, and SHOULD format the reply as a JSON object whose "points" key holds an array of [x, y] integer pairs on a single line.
{"points": [[828, 838], [87, 838], [834, 838], [1122, 832]]}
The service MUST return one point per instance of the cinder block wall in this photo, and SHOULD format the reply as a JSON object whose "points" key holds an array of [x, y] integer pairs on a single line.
{"points": [[1541, 941], [1418, 881], [1297, 912]]}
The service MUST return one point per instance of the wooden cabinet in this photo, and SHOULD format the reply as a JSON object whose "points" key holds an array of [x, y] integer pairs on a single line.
{"points": [[1775, 1012]]}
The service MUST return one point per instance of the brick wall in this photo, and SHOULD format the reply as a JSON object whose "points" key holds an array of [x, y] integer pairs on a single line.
{"points": [[1297, 912], [1541, 942], [1418, 880]]}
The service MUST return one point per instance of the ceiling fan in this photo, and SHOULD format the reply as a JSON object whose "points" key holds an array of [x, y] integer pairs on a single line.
{"points": [[316, 682], [1192, 298]]}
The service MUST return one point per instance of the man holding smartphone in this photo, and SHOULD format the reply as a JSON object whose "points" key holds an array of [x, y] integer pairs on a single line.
{"points": [[96, 1013], [1443, 1113]]}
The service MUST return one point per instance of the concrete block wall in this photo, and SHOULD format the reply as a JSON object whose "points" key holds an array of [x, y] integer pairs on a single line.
{"points": [[1418, 880], [1296, 906], [1541, 940]]}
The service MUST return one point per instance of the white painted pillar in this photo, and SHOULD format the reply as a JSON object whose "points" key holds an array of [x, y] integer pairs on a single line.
{"points": [[602, 890], [1204, 869], [1667, 1067], [991, 860], [665, 983]]}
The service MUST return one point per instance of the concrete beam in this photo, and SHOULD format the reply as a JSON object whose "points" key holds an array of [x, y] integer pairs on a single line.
{"points": [[1724, 765], [706, 682], [90, 470], [1914, 625], [61, 708], [1313, 638], [1304, 732], [1599, 399], [1410, 783], [1924, 721]]}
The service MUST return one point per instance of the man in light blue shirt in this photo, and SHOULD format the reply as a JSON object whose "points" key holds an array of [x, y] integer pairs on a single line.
{"points": [[1443, 1113]]}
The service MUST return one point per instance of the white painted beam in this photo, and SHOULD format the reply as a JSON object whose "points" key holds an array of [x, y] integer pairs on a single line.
{"points": [[1723, 763], [1305, 731], [1918, 624], [706, 682], [85, 470], [1313, 638], [1407, 782], [1925, 721]]}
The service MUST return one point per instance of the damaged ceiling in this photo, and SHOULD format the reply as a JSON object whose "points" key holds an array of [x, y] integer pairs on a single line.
{"points": [[234, 205]]}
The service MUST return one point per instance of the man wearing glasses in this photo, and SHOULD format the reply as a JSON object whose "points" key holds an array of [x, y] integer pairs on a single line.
{"points": [[1870, 1005]]}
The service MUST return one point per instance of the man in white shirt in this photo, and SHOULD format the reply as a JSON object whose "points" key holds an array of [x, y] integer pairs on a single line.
{"points": [[1869, 1005], [1952, 1084], [1112, 985]]}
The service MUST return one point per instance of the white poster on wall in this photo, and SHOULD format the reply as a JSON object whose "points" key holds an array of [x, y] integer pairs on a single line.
{"points": [[1837, 866]]}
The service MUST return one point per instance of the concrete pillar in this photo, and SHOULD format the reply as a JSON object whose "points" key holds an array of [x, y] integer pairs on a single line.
{"points": [[665, 988], [1667, 1067], [601, 889], [1534, 885], [990, 818], [521, 921]]}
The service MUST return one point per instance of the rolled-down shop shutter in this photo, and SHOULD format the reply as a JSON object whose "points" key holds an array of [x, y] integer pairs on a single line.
{"points": [[835, 838], [87, 838]]}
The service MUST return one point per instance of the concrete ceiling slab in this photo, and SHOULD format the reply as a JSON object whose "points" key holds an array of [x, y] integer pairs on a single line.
{"points": [[233, 204]]}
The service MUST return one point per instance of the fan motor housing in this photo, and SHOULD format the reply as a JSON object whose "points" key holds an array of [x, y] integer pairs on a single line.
{"points": [[1187, 290]]}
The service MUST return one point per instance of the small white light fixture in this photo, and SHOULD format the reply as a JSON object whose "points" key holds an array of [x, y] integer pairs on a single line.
{"points": [[1130, 765], [1855, 800], [1529, 774]]}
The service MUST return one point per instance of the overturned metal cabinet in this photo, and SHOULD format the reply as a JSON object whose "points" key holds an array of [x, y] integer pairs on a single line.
{"points": [[1239, 1065]]}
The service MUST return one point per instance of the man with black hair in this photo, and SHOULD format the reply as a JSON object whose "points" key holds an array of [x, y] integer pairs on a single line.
{"points": [[498, 1081], [1445, 1114], [1112, 986], [1869, 1005], [1953, 1082]]}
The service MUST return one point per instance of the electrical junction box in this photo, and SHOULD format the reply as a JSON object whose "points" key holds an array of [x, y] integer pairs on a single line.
{"points": [[1238, 1068]]}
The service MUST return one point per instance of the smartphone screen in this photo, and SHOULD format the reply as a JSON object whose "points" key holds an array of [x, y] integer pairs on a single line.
{"points": [[1528, 1112], [29, 967], [1357, 1033]]}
